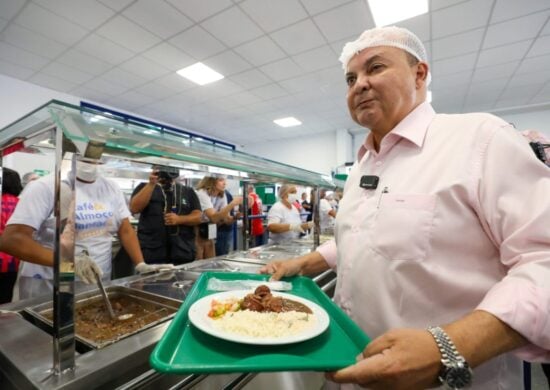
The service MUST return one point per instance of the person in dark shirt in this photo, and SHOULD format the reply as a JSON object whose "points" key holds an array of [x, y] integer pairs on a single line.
{"points": [[224, 239], [168, 213], [307, 207]]}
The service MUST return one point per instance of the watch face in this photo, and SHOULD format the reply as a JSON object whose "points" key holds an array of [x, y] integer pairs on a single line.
{"points": [[458, 377]]}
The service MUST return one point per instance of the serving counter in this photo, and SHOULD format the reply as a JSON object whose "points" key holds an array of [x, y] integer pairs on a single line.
{"points": [[25, 347], [36, 356]]}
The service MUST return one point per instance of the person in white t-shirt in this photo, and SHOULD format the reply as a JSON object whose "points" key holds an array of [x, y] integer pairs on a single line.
{"points": [[283, 219], [100, 212], [215, 209], [326, 213]]}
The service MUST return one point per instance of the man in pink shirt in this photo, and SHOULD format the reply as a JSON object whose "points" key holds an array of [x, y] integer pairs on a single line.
{"points": [[442, 240]]}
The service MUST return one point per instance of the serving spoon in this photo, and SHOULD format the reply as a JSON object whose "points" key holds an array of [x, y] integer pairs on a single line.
{"points": [[112, 314]]}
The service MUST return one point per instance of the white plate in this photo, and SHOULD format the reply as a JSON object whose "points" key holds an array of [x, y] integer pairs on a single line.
{"points": [[198, 315]]}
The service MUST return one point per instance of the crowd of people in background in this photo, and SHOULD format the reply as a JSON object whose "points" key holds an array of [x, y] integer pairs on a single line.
{"points": [[176, 224]]}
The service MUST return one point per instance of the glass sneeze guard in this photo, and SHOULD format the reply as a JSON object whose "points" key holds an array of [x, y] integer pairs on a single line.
{"points": [[148, 144]]}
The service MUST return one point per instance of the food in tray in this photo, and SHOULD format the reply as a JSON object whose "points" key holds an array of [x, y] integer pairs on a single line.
{"points": [[261, 314], [92, 321]]}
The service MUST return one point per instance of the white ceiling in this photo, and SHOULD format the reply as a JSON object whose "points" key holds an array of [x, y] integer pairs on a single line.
{"points": [[279, 57]]}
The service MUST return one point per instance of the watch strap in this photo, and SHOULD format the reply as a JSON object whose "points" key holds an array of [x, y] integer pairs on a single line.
{"points": [[456, 372], [446, 346]]}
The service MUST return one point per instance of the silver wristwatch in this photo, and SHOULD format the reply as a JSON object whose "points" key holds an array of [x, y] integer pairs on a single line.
{"points": [[456, 373]]}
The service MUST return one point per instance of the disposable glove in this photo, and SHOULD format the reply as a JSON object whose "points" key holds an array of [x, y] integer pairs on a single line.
{"points": [[85, 268], [144, 268], [296, 227]]}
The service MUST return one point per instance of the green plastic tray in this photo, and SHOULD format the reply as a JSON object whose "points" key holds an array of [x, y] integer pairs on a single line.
{"points": [[184, 349]]}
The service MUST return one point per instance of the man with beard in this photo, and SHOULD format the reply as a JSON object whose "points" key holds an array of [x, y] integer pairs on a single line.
{"points": [[168, 212]]}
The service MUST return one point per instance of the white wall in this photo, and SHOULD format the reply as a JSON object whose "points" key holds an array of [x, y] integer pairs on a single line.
{"points": [[25, 162], [538, 120], [18, 98], [316, 153], [344, 147]]}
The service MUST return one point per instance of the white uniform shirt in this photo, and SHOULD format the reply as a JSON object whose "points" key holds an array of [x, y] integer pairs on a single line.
{"points": [[100, 209], [279, 213], [459, 221], [326, 221]]}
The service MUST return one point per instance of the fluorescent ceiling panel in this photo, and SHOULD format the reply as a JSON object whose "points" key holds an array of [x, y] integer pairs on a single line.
{"points": [[200, 74], [287, 122], [387, 12]]}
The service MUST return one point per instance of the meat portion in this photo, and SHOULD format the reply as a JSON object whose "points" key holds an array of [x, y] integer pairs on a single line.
{"points": [[262, 291], [263, 301], [252, 302]]}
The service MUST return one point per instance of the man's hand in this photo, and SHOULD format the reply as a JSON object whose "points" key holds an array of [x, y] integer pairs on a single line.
{"points": [[399, 359], [171, 219], [281, 268], [143, 267], [85, 268], [154, 177]]}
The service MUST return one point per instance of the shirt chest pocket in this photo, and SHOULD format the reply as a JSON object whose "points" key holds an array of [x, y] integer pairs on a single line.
{"points": [[403, 226]]}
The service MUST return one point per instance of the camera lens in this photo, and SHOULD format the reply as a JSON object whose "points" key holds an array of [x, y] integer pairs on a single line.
{"points": [[164, 175]]}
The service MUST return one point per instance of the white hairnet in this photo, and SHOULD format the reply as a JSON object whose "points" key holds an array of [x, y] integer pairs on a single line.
{"points": [[386, 36]]}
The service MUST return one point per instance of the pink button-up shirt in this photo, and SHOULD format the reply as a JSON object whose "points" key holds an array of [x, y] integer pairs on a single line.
{"points": [[460, 220]]}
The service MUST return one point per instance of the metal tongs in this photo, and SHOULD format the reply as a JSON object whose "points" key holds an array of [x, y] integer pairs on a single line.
{"points": [[112, 314]]}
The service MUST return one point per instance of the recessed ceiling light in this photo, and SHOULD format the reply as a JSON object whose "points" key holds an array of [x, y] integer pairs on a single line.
{"points": [[287, 122], [200, 74], [387, 12]]}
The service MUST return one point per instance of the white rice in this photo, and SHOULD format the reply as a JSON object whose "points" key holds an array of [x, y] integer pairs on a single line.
{"points": [[264, 325]]}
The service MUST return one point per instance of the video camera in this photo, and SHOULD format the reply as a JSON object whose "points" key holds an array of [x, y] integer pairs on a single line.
{"points": [[168, 173]]}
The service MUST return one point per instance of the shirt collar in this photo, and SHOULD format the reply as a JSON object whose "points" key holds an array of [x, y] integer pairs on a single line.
{"points": [[413, 128]]}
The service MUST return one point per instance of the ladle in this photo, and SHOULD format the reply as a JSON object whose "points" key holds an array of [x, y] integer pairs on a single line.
{"points": [[112, 314]]}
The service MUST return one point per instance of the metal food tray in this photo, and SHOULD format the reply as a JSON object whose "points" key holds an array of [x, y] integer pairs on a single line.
{"points": [[296, 249], [264, 255], [43, 311], [211, 265], [174, 284]]}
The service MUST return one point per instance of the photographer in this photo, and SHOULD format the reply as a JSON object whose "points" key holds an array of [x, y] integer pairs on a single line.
{"points": [[168, 212]]}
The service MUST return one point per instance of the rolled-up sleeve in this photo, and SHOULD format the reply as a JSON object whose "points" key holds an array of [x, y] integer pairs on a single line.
{"points": [[514, 202], [329, 253]]}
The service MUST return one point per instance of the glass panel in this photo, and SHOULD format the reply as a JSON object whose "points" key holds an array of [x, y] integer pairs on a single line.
{"points": [[149, 144]]}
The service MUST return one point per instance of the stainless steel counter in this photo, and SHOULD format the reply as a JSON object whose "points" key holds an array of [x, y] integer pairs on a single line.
{"points": [[26, 350], [266, 253]]}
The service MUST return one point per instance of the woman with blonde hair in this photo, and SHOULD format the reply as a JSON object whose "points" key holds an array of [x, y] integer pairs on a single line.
{"points": [[283, 220], [215, 209]]}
